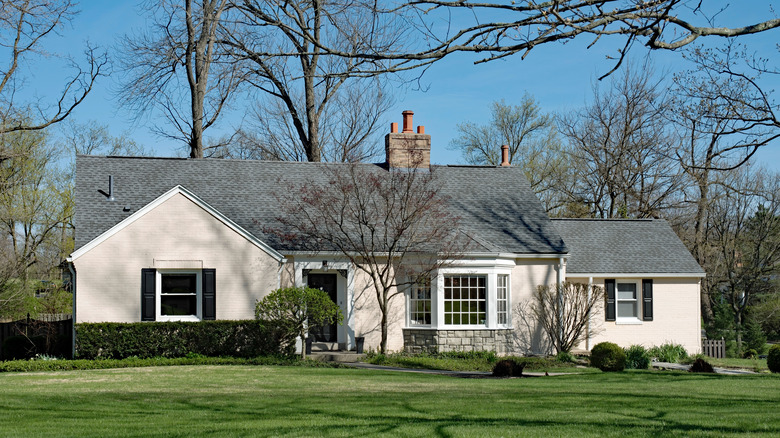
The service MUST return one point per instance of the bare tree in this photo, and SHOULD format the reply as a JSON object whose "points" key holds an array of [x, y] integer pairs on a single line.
{"points": [[744, 240], [619, 146], [446, 27], [392, 225], [348, 132], [723, 117], [184, 36], [533, 145], [24, 26], [280, 40], [563, 311]]}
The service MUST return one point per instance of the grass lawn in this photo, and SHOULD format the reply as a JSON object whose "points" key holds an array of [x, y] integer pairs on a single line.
{"points": [[292, 402]]}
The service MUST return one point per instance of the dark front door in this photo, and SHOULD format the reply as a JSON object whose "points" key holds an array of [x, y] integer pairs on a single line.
{"points": [[327, 283]]}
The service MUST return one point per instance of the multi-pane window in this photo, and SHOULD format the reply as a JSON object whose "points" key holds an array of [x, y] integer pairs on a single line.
{"points": [[420, 303], [465, 299], [627, 304], [178, 294], [502, 299]]}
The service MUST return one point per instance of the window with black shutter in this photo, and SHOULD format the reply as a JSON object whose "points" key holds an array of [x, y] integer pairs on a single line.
{"points": [[178, 295]]}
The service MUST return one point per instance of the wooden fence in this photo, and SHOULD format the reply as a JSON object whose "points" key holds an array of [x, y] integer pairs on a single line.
{"points": [[714, 348], [54, 327]]}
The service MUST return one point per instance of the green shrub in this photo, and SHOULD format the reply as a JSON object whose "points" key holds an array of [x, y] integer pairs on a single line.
{"points": [[637, 358], [564, 357], [701, 366], [508, 367], [673, 353], [487, 356], [293, 309], [750, 354], [607, 356], [773, 359], [177, 339], [754, 337]]}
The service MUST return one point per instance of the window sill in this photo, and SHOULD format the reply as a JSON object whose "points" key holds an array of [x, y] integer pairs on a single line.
{"points": [[177, 318], [629, 321]]}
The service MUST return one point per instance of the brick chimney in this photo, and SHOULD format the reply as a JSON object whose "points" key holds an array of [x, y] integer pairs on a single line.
{"points": [[406, 149]]}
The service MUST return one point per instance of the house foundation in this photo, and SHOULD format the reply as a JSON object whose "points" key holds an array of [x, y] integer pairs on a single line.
{"points": [[432, 340]]}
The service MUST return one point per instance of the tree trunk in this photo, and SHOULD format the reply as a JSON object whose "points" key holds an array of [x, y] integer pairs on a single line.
{"points": [[702, 205]]}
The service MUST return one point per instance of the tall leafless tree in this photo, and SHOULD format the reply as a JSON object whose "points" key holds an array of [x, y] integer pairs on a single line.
{"points": [[723, 117], [184, 37], [619, 146], [348, 129], [24, 27], [281, 41]]}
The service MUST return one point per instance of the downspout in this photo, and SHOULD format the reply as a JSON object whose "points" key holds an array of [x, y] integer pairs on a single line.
{"points": [[72, 270], [558, 289], [587, 327]]}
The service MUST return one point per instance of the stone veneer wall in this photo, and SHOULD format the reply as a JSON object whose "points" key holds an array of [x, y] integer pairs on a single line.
{"points": [[430, 340]]}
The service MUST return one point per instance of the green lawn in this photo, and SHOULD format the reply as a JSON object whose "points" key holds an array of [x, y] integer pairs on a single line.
{"points": [[292, 402]]}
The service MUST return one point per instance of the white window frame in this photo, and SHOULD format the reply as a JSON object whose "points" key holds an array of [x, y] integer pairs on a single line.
{"points": [[461, 300], [198, 295], [413, 300], [507, 289], [491, 271], [635, 319]]}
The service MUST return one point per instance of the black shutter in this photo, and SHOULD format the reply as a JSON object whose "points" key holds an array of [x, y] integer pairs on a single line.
{"points": [[647, 300], [609, 310], [209, 294], [148, 292]]}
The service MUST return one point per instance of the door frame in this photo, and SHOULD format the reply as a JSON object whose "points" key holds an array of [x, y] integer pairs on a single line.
{"points": [[344, 290]]}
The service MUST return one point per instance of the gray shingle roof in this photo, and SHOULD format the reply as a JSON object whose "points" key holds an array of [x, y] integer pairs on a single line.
{"points": [[496, 206], [614, 246]]}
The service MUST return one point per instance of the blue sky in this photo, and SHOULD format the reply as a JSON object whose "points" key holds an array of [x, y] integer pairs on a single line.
{"points": [[560, 77]]}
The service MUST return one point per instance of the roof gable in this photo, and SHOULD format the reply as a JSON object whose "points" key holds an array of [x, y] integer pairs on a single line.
{"points": [[177, 190]]}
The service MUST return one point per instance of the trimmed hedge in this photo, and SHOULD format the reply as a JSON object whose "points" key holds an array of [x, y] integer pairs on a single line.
{"points": [[248, 338], [20, 366]]}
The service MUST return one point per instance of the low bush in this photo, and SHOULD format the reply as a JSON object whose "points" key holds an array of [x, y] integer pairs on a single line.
{"points": [[701, 366], [246, 339], [607, 356], [637, 358], [487, 356], [773, 359], [509, 367], [673, 353], [564, 357], [750, 354]]}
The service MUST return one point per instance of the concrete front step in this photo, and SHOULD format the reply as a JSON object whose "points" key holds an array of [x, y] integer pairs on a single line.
{"points": [[324, 346], [337, 356]]}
